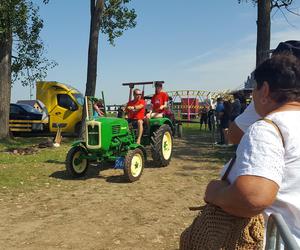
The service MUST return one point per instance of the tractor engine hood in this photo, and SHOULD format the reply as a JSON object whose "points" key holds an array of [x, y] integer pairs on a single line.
{"points": [[101, 131]]}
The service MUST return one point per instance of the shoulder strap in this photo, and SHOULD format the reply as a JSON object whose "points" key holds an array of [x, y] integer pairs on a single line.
{"points": [[224, 177], [275, 126]]}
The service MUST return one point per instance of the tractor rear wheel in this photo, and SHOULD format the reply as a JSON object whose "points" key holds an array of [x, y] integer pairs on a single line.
{"points": [[134, 164], [76, 165], [162, 146]]}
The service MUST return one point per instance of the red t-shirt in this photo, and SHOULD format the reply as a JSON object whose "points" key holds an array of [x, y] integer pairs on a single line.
{"points": [[157, 100], [136, 114]]}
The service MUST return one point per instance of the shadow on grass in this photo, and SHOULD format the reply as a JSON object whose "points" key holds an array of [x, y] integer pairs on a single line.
{"points": [[92, 172], [117, 179], [151, 164], [199, 147], [122, 179]]}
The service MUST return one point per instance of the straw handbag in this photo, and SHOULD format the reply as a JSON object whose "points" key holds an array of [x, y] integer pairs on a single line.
{"points": [[214, 229]]}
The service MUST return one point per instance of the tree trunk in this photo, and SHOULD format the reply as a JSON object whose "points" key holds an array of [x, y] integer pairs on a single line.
{"points": [[90, 89], [5, 83], [96, 14], [263, 30]]}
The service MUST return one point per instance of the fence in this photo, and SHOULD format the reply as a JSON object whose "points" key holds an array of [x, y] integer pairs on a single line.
{"points": [[278, 233], [26, 125]]}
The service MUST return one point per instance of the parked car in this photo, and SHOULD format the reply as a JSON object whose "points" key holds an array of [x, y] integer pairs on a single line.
{"points": [[25, 118], [38, 105], [24, 112]]}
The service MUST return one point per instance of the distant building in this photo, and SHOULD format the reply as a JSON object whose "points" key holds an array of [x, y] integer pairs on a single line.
{"points": [[250, 82]]}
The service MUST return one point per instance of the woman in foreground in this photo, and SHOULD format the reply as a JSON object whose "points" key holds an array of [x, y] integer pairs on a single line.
{"points": [[266, 174]]}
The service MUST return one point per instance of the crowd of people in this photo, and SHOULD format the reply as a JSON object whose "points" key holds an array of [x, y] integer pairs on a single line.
{"points": [[220, 117]]}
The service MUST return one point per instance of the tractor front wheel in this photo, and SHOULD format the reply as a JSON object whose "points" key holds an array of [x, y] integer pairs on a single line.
{"points": [[162, 146], [134, 164], [76, 164]]}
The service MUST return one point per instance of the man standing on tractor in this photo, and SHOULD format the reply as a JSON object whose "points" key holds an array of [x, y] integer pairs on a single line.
{"points": [[159, 102], [136, 112]]}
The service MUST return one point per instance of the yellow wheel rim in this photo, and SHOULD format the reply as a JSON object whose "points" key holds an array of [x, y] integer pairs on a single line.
{"points": [[79, 165], [167, 145], [136, 165]]}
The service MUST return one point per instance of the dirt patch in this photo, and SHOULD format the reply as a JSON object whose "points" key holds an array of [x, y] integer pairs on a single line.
{"points": [[29, 150], [102, 211]]}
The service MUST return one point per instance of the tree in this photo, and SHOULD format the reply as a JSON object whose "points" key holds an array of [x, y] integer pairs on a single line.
{"points": [[264, 8], [111, 17], [263, 38], [21, 51]]}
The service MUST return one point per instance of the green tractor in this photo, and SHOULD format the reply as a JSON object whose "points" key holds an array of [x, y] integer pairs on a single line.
{"points": [[110, 139]]}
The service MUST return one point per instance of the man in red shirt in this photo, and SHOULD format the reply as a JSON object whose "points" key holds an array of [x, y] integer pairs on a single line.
{"points": [[136, 112], [159, 102]]}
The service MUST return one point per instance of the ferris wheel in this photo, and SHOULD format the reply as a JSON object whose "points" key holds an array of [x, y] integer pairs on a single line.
{"points": [[202, 95], [188, 103]]}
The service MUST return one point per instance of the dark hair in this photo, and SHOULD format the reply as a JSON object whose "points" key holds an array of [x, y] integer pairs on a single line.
{"points": [[291, 46], [282, 72], [227, 107], [236, 95], [99, 103]]}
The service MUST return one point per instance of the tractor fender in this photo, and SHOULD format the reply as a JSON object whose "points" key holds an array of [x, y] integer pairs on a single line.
{"points": [[168, 122], [78, 143], [135, 145]]}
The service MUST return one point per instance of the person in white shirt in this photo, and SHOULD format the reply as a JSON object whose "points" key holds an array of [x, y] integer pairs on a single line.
{"points": [[266, 174], [238, 127]]}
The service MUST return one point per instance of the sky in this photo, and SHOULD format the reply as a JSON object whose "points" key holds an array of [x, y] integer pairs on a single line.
{"points": [[191, 45]]}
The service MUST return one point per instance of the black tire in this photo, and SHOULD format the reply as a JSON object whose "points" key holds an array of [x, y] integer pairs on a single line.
{"points": [[134, 172], [179, 130], [162, 154], [73, 168]]}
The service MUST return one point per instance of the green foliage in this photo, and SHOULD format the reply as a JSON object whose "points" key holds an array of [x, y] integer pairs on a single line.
{"points": [[116, 18], [20, 19]]}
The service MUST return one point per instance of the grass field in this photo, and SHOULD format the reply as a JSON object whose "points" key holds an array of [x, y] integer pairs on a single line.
{"points": [[41, 207], [27, 172]]}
